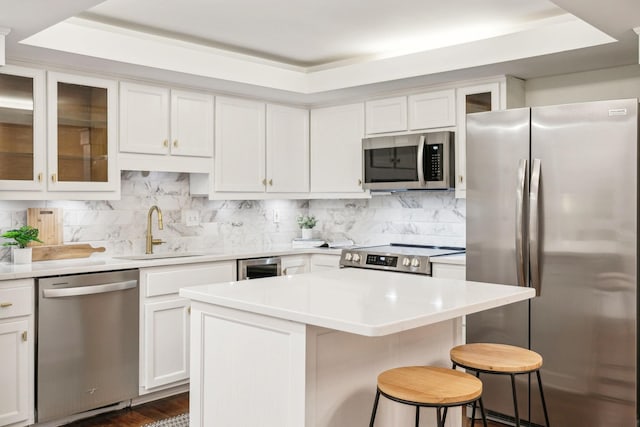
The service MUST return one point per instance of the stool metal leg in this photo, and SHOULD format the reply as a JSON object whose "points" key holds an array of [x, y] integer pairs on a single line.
{"points": [[375, 408], [417, 416], [544, 404], [484, 416], [440, 421], [515, 399], [444, 416]]}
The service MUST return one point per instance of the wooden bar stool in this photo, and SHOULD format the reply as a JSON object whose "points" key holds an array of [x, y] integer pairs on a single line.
{"points": [[500, 359], [429, 386]]}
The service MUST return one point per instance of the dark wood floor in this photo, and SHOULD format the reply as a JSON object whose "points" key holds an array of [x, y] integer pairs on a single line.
{"points": [[140, 415], [164, 408]]}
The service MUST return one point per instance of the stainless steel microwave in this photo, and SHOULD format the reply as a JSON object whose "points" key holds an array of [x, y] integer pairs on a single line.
{"points": [[409, 162]]}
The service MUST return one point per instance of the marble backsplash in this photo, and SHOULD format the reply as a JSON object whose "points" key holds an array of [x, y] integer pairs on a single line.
{"points": [[120, 225]]}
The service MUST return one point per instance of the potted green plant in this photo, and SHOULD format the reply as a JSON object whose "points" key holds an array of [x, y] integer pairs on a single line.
{"points": [[21, 253], [306, 224]]}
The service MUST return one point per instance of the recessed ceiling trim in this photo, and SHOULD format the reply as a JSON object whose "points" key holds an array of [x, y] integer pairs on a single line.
{"points": [[110, 42]]}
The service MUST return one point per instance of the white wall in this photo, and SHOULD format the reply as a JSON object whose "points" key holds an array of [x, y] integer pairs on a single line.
{"points": [[610, 83]]}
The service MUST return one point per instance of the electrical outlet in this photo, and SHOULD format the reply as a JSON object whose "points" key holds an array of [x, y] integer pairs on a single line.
{"points": [[276, 216], [190, 217]]}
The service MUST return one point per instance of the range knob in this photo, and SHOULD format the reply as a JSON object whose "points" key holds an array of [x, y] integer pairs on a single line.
{"points": [[347, 256], [415, 262], [356, 258], [406, 262]]}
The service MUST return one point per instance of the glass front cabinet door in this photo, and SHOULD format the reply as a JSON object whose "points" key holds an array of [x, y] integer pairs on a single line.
{"points": [[22, 131], [81, 134]]}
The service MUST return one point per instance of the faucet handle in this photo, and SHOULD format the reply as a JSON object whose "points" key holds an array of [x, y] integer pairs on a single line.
{"points": [[157, 241]]}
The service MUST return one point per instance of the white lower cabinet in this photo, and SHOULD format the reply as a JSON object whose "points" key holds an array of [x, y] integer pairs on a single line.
{"points": [[164, 320], [294, 264], [448, 271], [16, 353], [321, 262]]}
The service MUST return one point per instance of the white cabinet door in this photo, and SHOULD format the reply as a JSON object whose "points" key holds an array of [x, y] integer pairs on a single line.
{"points": [[23, 134], [448, 271], [432, 110], [144, 119], [387, 115], [287, 149], [166, 341], [471, 99], [191, 124], [336, 149], [82, 132], [14, 372], [294, 264], [321, 262], [239, 145]]}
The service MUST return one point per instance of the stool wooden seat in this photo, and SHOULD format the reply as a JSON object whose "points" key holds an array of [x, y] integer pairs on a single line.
{"points": [[428, 386], [501, 359]]}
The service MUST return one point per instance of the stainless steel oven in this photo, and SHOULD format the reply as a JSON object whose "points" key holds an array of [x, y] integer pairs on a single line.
{"points": [[409, 162], [255, 268]]}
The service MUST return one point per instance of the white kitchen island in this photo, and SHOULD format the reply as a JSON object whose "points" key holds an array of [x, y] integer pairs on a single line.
{"points": [[305, 350]]}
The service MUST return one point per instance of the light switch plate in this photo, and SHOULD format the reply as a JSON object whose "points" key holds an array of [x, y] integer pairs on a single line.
{"points": [[190, 217]]}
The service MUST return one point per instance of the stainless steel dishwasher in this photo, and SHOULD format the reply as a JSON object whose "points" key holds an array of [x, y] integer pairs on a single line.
{"points": [[87, 342]]}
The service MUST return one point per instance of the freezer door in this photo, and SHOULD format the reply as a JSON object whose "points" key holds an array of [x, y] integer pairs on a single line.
{"points": [[584, 322], [497, 193]]}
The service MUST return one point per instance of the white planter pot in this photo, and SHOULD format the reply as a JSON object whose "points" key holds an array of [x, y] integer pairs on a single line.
{"points": [[307, 233], [21, 255]]}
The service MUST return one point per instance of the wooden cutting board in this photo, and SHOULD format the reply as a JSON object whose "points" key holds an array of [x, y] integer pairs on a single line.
{"points": [[48, 221], [50, 252]]}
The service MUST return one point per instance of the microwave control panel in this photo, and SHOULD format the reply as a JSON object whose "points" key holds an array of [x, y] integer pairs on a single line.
{"points": [[435, 161]]}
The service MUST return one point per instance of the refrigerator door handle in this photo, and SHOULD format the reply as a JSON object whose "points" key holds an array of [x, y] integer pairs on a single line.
{"points": [[520, 200], [423, 141], [534, 236]]}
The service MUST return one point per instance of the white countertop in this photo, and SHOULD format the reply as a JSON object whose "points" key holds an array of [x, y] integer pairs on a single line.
{"points": [[359, 301], [94, 264]]}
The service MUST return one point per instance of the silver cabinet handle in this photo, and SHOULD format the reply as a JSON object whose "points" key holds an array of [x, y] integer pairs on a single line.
{"points": [[89, 290], [520, 200], [534, 229], [421, 160]]}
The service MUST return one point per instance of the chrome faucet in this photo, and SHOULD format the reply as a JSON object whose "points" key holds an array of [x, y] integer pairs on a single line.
{"points": [[150, 240]]}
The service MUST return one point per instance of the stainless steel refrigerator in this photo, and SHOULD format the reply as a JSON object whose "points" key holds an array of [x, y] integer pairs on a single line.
{"points": [[552, 204]]}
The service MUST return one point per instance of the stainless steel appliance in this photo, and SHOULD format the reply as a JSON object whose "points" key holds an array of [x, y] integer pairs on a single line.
{"points": [[87, 345], [409, 162], [552, 204], [256, 268], [395, 257]]}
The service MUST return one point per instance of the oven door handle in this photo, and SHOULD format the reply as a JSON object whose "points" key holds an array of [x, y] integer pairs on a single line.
{"points": [[423, 140], [89, 290]]}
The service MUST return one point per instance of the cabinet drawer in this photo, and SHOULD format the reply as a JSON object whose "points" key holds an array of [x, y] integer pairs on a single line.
{"points": [[168, 280], [15, 302]]}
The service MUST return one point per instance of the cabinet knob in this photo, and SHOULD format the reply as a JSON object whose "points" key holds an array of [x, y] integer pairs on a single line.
{"points": [[359, 182], [270, 182], [460, 179], [175, 143], [165, 143], [40, 177], [264, 181], [53, 177], [24, 336]]}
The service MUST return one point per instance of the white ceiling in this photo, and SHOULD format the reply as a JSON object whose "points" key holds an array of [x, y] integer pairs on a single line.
{"points": [[310, 51]]}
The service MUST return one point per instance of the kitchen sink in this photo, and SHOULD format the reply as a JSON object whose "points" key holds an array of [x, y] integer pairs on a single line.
{"points": [[160, 256]]}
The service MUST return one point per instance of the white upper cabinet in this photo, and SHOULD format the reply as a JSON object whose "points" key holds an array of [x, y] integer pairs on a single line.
{"points": [[144, 119], [507, 92], [191, 124], [171, 123], [387, 115], [287, 149], [336, 149], [22, 130], [82, 132], [432, 110], [240, 145]]}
